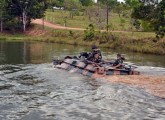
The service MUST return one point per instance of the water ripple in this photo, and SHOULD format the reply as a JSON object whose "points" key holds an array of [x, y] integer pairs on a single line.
{"points": [[39, 92]]}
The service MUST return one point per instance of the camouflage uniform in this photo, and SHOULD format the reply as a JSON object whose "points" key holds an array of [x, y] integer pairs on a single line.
{"points": [[91, 55], [118, 61]]}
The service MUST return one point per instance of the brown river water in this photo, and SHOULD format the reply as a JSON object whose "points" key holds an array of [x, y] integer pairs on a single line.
{"points": [[31, 89]]}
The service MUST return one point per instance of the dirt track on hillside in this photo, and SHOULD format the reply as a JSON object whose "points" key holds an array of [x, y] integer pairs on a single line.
{"points": [[57, 26], [48, 24]]}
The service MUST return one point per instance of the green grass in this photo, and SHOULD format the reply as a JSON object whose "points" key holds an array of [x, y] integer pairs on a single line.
{"points": [[82, 20], [135, 35], [60, 15], [116, 24], [11, 37]]}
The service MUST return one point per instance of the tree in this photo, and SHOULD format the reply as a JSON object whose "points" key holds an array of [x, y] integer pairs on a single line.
{"points": [[158, 21], [98, 14], [86, 2], [137, 24], [130, 5], [110, 5], [56, 3], [89, 33], [27, 10], [153, 12], [119, 8], [122, 22], [3, 5], [72, 5]]}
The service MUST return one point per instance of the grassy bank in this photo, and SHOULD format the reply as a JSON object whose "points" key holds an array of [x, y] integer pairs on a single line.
{"points": [[137, 41], [81, 20]]}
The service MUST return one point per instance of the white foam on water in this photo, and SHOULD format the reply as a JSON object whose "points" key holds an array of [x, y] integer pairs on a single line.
{"points": [[151, 71]]}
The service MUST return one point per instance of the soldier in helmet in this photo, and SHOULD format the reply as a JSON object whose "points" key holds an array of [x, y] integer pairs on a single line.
{"points": [[96, 58], [118, 63], [95, 51]]}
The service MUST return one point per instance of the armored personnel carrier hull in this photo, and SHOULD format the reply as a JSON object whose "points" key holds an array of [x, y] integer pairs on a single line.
{"points": [[91, 69]]}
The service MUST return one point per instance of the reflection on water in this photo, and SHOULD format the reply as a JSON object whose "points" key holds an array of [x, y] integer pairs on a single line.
{"points": [[33, 52], [33, 91]]}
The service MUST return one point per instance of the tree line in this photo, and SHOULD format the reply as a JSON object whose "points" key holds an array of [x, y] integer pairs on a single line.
{"points": [[152, 11], [17, 14]]}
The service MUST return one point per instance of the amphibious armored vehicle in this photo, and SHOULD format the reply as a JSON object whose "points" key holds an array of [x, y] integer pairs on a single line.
{"points": [[88, 68]]}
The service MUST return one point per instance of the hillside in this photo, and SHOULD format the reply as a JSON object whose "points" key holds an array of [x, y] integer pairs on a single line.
{"points": [[81, 20]]}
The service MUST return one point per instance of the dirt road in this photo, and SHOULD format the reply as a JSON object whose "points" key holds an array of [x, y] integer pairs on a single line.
{"points": [[57, 26], [40, 22]]}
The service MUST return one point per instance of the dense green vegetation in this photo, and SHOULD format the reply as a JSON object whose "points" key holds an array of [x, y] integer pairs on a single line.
{"points": [[130, 25], [154, 13], [138, 42], [17, 14]]}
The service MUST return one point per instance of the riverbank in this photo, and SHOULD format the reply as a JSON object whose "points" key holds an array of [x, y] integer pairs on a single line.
{"points": [[143, 42]]}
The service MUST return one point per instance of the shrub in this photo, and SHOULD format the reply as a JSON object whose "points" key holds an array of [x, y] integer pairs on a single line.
{"points": [[76, 13], [147, 27], [13, 25], [71, 33], [136, 23], [89, 33], [2, 38]]}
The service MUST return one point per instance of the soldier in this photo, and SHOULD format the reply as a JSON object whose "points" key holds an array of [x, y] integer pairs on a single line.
{"points": [[94, 51], [96, 58], [118, 63]]}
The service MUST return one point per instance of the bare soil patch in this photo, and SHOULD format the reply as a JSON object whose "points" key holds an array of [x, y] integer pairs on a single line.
{"points": [[153, 85], [35, 32]]}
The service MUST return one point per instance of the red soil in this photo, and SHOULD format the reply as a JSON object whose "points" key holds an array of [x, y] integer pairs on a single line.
{"points": [[153, 85]]}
